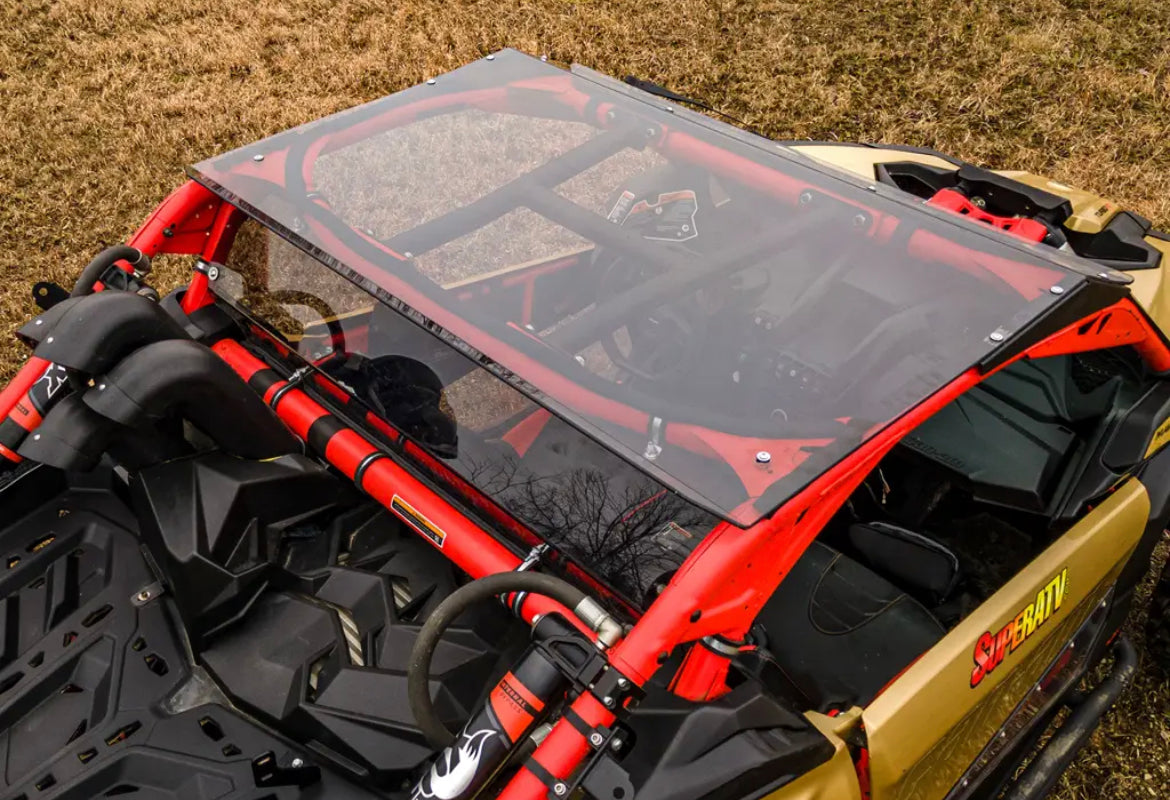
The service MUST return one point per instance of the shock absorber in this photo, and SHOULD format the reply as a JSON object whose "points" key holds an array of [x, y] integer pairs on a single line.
{"points": [[516, 706]]}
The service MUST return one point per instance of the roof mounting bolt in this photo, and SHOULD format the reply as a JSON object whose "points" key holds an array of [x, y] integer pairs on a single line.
{"points": [[596, 739], [805, 198], [430, 81], [258, 157], [559, 789], [490, 57], [1057, 289], [763, 457], [297, 763], [995, 336]]}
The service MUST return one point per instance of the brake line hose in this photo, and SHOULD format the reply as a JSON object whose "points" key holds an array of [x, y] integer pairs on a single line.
{"points": [[501, 583]]}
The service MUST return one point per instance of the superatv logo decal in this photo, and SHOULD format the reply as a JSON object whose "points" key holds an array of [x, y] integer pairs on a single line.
{"points": [[417, 521], [993, 648]]}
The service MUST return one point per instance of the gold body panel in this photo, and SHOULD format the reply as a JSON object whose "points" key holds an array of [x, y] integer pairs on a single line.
{"points": [[836, 779], [929, 725]]}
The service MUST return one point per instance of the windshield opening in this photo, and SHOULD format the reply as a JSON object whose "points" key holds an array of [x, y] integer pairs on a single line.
{"points": [[608, 517]]}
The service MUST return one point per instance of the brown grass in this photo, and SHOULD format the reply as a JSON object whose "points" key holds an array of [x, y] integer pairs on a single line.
{"points": [[103, 103]]}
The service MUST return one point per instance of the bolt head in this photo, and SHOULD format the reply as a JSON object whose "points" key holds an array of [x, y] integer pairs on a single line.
{"points": [[491, 57], [49, 340], [595, 739], [212, 273], [995, 336], [616, 744], [298, 763], [763, 457], [1057, 290], [559, 789], [39, 322], [805, 198], [143, 596], [623, 683], [608, 702], [258, 157], [430, 82]]}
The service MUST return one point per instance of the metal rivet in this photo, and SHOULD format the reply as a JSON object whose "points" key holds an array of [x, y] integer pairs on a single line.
{"points": [[996, 336], [101, 387], [258, 157], [430, 82], [872, 187], [616, 744], [36, 437], [596, 739], [39, 322], [559, 789], [763, 457], [298, 763], [670, 109], [1057, 290], [49, 340], [491, 57]]}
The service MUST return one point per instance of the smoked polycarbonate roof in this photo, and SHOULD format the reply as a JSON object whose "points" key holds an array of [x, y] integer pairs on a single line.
{"points": [[725, 315]]}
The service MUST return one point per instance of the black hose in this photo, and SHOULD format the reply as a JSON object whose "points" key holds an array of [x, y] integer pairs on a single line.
{"points": [[418, 673], [103, 261], [1046, 768]]}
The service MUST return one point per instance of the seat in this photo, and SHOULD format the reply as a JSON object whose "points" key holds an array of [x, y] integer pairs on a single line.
{"points": [[839, 633]]}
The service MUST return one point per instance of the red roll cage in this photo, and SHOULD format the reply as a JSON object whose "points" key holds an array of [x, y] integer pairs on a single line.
{"points": [[723, 585]]}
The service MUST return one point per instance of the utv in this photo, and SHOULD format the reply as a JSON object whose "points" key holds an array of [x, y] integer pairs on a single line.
{"points": [[524, 435]]}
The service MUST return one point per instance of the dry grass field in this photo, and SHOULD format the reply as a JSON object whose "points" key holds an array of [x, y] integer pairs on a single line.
{"points": [[102, 103]]}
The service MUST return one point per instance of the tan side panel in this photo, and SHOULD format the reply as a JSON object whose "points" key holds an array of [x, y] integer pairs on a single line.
{"points": [[927, 728], [861, 160], [834, 780]]}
